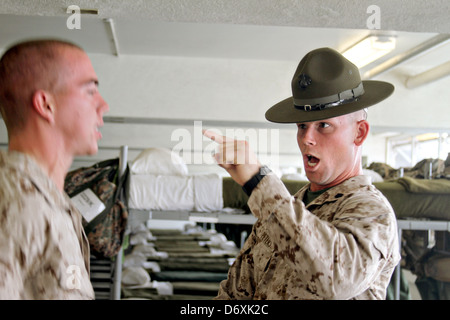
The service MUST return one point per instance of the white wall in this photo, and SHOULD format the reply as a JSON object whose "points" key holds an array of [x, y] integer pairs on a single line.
{"points": [[200, 89], [194, 88], [217, 89]]}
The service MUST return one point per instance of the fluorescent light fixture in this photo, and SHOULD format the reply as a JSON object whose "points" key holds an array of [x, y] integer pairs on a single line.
{"points": [[369, 49], [427, 137]]}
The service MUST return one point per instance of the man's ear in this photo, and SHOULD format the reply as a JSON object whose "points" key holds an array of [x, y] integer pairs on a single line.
{"points": [[43, 104], [362, 131]]}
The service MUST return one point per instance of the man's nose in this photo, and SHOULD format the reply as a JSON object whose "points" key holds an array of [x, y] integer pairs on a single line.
{"points": [[103, 105], [308, 137]]}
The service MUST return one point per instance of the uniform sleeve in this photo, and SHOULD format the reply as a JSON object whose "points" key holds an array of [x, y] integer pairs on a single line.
{"points": [[337, 259], [21, 245]]}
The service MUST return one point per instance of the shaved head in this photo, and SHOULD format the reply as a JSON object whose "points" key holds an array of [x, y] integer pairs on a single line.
{"points": [[25, 68]]}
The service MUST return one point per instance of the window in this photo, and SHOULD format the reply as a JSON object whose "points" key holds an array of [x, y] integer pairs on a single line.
{"points": [[406, 151]]}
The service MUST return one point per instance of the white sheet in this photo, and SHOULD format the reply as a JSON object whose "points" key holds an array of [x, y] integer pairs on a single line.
{"points": [[164, 192], [208, 192]]}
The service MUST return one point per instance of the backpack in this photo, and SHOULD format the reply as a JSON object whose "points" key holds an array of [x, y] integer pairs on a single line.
{"points": [[99, 188]]}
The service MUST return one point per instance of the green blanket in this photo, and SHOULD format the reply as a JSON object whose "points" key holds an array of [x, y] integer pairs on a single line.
{"points": [[437, 186], [410, 198]]}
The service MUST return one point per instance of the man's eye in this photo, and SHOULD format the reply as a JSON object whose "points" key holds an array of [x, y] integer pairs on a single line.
{"points": [[324, 125], [301, 126]]}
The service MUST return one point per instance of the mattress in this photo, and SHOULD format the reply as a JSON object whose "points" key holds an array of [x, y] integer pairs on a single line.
{"points": [[409, 197], [180, 193]]}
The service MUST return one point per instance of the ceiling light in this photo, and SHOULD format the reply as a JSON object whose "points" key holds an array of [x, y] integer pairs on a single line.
{"points": [[427, 137], [370, 49]]}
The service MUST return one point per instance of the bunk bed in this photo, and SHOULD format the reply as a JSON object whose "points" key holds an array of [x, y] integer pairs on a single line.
{"points": [[150, 181], [418, 205]]}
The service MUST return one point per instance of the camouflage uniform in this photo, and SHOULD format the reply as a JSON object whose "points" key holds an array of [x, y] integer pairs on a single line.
{"points": [[44, 253], [343, 245]]}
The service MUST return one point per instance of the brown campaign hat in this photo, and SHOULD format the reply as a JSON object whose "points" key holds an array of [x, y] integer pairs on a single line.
{"points": [[327, 85]]}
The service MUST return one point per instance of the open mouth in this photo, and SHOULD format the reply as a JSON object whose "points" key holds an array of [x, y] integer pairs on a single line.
{"points": [[312, 160]]}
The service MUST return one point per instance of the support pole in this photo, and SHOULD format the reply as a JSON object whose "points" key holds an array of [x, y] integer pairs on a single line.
{"points": [[118, 263]]}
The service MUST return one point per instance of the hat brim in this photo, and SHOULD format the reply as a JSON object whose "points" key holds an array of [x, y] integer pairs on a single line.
{"points": [[286, 112]]}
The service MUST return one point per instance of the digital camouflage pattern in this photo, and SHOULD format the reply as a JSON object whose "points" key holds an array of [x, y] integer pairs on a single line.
{"points": [[106, 231], [44, 250], [343, 245], [106, 237]]}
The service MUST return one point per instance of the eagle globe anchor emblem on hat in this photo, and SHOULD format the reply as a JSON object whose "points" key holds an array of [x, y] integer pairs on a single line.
{"points": [[327, 85]]}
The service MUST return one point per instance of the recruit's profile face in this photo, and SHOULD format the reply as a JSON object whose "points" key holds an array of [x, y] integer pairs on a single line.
{"points": [[80, 107]]}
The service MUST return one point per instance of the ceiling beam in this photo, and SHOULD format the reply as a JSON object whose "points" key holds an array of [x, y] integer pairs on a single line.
{"points": [[436, 73], [407, 55], [191, 122]]}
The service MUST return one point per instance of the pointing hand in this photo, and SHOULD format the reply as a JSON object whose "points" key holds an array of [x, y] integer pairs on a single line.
{"points": [[235, 156]]}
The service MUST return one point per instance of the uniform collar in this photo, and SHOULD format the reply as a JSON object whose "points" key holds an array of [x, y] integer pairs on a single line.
{"points": [[334, 193], [28, 166]]}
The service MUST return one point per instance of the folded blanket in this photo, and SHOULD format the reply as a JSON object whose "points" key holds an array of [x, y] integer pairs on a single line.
{"points": [[183, 193], [207, 192], [435, 186], [159, 192]]}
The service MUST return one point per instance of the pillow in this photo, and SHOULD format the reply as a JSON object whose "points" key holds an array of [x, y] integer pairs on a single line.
{"points": [[376, 177], [159, 161], [135, 276]]}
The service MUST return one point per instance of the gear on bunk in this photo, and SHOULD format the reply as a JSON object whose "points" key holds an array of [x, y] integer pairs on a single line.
{"points": [[425, 253], [97, 193], [424, 169]]}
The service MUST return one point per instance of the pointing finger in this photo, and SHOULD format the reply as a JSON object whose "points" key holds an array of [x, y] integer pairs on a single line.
{"points": [[216, 137]]}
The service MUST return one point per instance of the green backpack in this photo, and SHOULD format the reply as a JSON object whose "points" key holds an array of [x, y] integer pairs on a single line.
{"points": [[100, 195]]}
